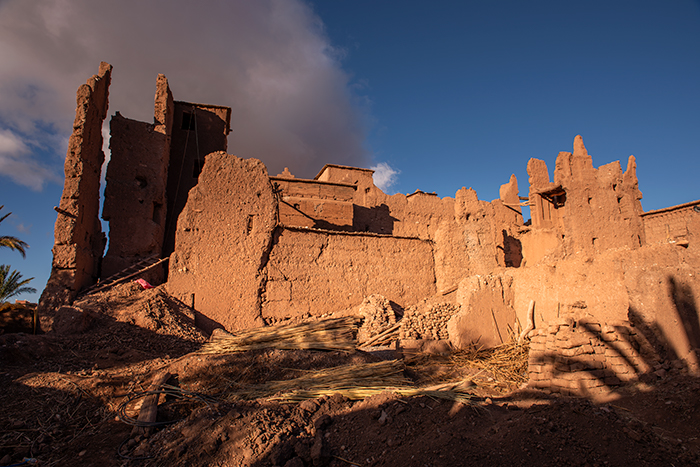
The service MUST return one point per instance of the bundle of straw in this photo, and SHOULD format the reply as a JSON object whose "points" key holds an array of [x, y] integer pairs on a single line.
{"points": [[329, 334], [357, 381], [342, 379]]}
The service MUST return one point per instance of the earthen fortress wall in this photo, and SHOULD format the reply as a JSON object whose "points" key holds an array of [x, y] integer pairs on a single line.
{"points": [[246, 248]]}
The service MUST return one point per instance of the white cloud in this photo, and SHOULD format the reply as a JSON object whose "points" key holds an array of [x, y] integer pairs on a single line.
{"points": [[384, 176], [17, 162], [270, 60]]}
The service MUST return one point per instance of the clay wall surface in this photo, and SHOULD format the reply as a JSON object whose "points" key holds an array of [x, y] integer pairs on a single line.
{"points": [[79, 241], [197, 130], [468, 235], [591, 210], [223, 239], [316, 272], [360, 177], [594, 287], [676, 224], [487, 317], [135, 197], [663, 287], [654, 287], [315, 204]]}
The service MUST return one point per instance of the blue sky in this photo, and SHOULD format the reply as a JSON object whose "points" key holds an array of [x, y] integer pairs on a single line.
{"points": [[448, 94]]}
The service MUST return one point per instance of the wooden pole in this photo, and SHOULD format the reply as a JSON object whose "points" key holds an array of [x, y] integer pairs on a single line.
{"points": [[149, 408]]}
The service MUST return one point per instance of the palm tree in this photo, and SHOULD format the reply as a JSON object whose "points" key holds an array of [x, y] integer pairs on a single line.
{"points": [[11, 283], [13, 243]]}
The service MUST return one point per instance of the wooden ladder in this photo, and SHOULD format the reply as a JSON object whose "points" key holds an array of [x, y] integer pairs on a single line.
{"points": [[124, 275]]}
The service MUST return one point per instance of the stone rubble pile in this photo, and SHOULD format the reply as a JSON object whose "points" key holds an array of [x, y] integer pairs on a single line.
{"points": [[427, 322], [378, 316]]}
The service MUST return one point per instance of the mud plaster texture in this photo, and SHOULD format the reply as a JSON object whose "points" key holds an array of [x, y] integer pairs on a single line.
{"points": [[78, 238], [224, 237]]}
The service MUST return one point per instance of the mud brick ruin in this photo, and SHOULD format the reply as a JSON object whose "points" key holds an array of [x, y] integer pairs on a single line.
{"points": [[602, 288]]}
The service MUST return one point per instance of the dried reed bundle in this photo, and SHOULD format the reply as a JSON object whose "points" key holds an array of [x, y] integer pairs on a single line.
{"points": [[329, 334], [330, 381], [352, 381], [361, 392]]}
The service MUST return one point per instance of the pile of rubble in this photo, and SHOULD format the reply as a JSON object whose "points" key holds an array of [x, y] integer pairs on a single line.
{"points": [[425, 321]]}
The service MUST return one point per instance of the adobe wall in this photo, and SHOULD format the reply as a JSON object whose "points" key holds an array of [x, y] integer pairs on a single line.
{"points": [[591, 254], [78, 238], [315, 204], [487, 317], [584, 210], [587, 358], [663, 286], [469, 236], [316, 272], [677, 224], [614, 288], [585, 352], [135, 192], [223, 240]]}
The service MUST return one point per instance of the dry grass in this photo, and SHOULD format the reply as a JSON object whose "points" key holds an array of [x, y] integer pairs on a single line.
{"points": [[341, 379], [503, 367], [329, 334], [357, 381], [506, 363]]}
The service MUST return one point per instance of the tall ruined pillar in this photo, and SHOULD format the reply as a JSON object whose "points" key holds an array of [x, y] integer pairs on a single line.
{"points": [[79, 241]]}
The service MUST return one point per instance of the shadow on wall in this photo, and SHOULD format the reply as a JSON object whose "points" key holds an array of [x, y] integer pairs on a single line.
{"points": [[684, 302], [585, 358], [512, 250], [376, 219]]}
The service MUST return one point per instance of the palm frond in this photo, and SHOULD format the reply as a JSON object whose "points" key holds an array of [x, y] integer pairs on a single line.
{"points": [[10, 242], [11, 283]]}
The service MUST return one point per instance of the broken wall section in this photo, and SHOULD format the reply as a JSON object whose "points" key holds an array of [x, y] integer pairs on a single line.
{"points": [[79, 241], [135, 193], [587, 358], [223, 240], [585, 210]]}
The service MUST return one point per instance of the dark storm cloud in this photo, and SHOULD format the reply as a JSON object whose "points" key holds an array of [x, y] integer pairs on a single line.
{"points": [[269, 60]]}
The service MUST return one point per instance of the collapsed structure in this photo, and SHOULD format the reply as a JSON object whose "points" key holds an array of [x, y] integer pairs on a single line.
{"points": [[589, 271]]}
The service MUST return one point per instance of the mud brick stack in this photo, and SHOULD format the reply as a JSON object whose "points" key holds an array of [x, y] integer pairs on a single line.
{"points": [[584, 358]]}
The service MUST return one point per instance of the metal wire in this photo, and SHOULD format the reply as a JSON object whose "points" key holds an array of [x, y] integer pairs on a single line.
{"points": [[168, 391]]}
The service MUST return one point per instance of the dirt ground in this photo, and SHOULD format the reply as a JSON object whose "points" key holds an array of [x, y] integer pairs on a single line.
{"points": [[63, 393]]}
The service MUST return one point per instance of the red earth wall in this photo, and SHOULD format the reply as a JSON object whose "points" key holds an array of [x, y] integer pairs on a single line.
{"points": [[79, 241]]}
